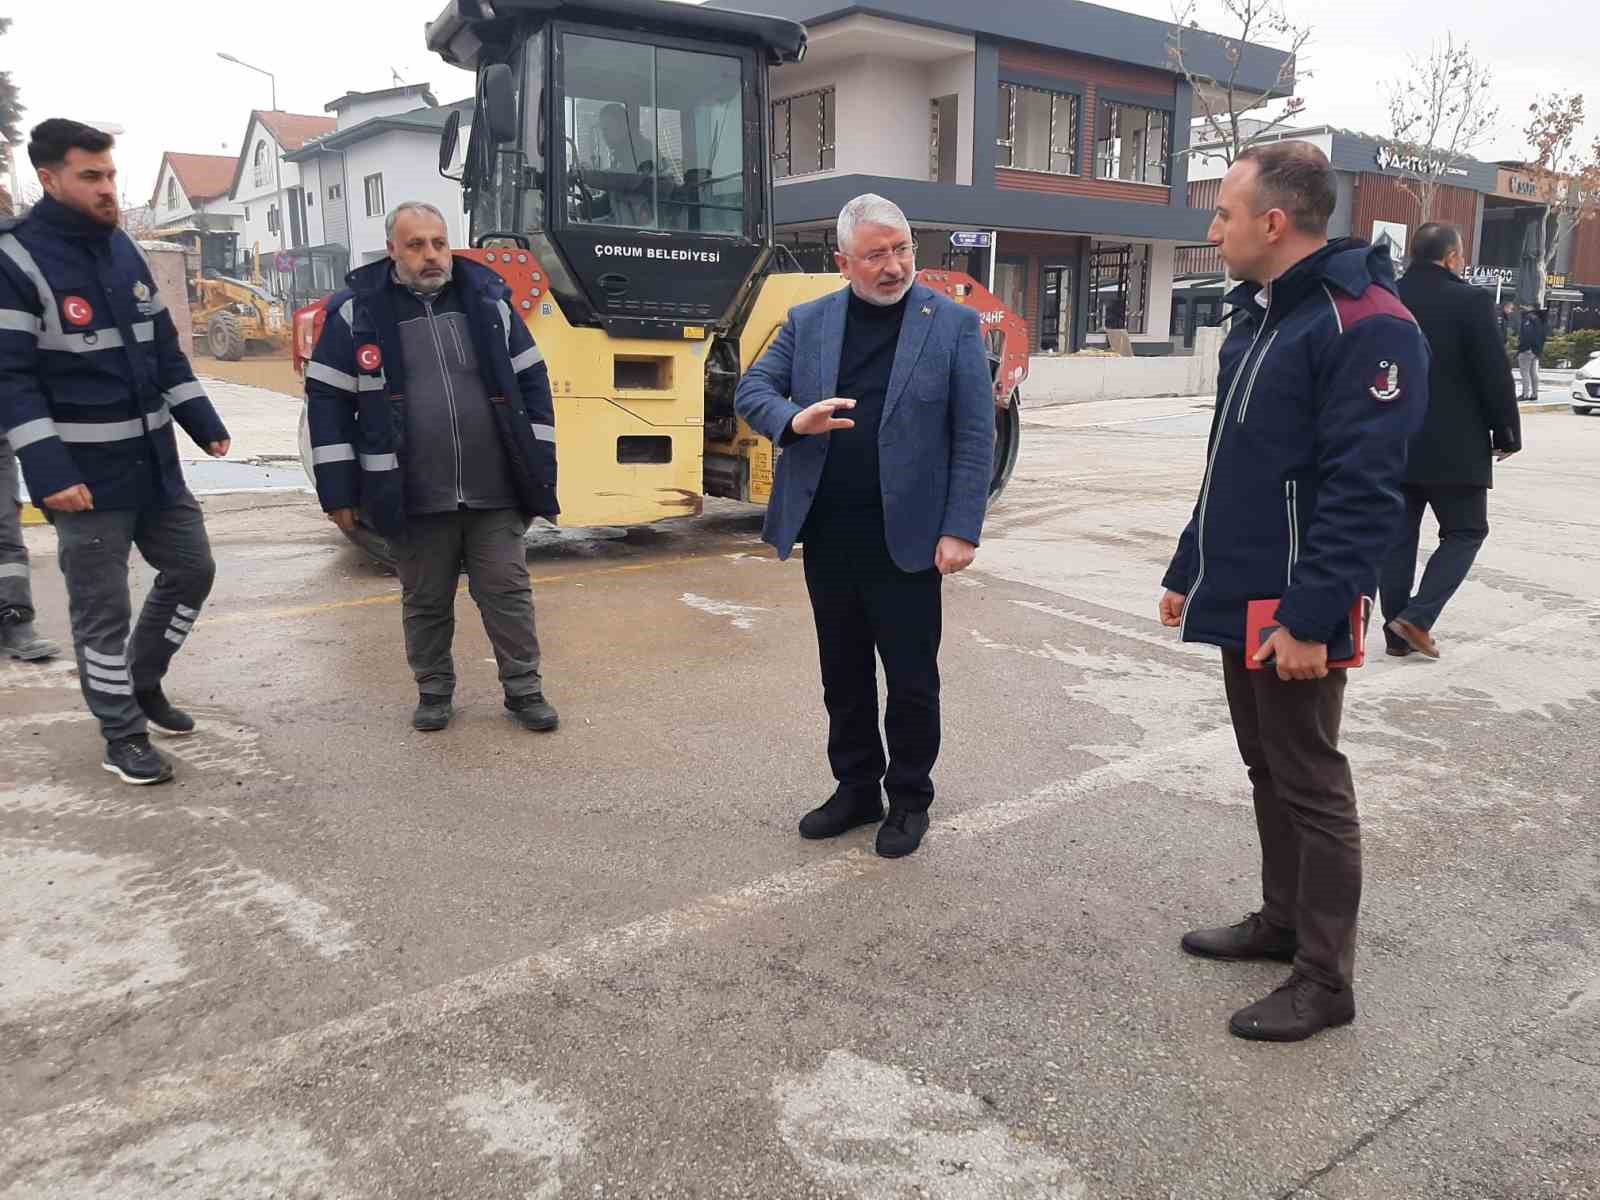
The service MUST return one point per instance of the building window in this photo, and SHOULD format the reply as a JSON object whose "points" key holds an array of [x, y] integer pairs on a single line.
{"points": [[172, 192], [1038, 130], [263, 169], [802, 134], [335, 192], [374, 188], [1130, 142], [1119, 286], [246, 212], [272, 218]]}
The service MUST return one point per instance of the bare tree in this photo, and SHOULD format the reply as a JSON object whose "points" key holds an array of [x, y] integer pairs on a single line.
{"points": [[1237, 115], [1441, 110], [1568, 175]]}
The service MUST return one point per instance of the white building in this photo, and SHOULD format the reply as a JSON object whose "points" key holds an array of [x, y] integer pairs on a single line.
{"points": [[384, 148], [275, 211]]}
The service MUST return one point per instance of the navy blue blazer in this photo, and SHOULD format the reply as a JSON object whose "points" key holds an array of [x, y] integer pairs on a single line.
{"points": [[936, 439]]}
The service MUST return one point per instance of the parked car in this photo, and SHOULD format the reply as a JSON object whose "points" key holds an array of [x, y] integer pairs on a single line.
{"points": [[1586, 387]]}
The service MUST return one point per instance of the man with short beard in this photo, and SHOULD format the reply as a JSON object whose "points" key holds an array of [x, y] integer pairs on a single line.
{"points": [[409, 430], [880, 395], [92, 380]]}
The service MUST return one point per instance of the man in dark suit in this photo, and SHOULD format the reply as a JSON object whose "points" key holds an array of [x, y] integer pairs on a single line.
{"points": [[880, 396], [1472, 421]]}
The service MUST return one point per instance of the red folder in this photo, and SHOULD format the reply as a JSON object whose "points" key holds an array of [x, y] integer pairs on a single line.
{"points": [[1348, 650]]}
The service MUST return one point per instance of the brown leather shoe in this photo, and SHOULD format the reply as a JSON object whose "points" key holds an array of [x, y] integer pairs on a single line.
{"points": [[1415, 636], [1297, 1008], [1250, 938]]}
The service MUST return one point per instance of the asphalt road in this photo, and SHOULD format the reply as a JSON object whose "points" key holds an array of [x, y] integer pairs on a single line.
{"points": [[340, 959]]}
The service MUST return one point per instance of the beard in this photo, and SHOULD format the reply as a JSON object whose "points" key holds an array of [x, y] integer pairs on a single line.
{"points": [[884, 299], [423, 282]]}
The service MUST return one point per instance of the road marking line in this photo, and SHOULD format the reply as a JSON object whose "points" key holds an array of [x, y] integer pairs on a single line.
{"points": [[311, 610]]}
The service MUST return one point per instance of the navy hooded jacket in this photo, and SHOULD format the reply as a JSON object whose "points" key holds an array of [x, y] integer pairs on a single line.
{"points": [[92, 375], [1324, 378]]}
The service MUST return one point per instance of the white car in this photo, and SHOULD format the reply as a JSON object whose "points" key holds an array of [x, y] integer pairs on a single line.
{"points": [[1586, 387]]}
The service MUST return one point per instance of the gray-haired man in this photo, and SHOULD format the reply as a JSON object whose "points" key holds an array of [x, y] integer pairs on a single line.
{"points": [[430, 412]]}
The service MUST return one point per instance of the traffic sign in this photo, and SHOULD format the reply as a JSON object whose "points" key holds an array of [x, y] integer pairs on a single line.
{"points": [[971, 241]]}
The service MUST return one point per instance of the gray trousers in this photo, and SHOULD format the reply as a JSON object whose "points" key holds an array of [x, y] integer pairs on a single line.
{"points": [[428, 559], [1529, 362], [94, 548], [1463, 515], [16, 593]]}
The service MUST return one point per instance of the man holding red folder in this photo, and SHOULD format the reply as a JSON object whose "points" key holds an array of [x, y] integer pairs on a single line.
{"points": [[1323, 378]]}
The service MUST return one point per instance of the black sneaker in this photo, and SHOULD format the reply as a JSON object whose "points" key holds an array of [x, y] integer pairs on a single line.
{"points": [[901, 833], [134, 760], [1250, 938], [1297, 1008], [533, 712], [433, 713], [159, 712], [840, 813]]}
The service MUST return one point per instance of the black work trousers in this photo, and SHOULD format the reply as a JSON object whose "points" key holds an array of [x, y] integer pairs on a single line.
{"points": [[1305, 801], [867, 608]]}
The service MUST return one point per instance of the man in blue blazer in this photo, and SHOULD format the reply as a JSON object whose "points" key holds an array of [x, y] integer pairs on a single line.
{"points": [[880, 400]]}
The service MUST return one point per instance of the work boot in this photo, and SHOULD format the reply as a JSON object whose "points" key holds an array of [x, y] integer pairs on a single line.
{"points": [[1250, 938], [1415, 636], [21, 641], [134, 760], [902, 832], [1297, 1008], [840, 813], [533, 712], [433, 713], [159, 712]]}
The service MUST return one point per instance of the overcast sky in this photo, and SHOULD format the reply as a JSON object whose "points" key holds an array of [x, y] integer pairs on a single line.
{"points": [[152, 67]]}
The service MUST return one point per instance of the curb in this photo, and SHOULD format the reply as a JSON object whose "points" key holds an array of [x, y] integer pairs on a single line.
{"points": [[1545, 406], [32, 516]]}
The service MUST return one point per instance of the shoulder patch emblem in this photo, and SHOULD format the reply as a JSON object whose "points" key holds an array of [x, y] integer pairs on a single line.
{"points": [[77, 311], [369, 357], [1387, 386]]}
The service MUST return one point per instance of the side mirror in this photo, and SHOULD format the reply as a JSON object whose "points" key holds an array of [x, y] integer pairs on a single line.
{"points": [[447, 143], [500, 103]]}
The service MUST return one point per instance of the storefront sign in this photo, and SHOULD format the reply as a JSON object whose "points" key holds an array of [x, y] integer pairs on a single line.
{"points": [[1389, 158], [970, 241]]}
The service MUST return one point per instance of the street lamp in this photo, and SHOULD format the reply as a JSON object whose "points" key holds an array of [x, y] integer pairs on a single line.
{"points": [[277, 173]]}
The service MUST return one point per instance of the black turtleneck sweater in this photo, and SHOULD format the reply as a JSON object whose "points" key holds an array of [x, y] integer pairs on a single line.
{"points": [[851, 488]]}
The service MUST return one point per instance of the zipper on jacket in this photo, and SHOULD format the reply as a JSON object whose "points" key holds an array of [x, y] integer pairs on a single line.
{"points": [[1211, 463], [1249, 388], [1291, 504], [455, 336], [449, 396]]}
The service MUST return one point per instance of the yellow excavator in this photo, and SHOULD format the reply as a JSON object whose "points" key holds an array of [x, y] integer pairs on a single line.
{"points": [[617, 175]]}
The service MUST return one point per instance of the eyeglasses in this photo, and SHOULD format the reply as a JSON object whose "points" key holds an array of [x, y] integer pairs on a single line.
{"points": [[880, 258]]}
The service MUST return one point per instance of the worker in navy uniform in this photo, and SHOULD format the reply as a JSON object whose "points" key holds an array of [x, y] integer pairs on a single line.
{"points": [[431, 416], [92, 380], [18, 638], [1324, 377], [881, 396]]}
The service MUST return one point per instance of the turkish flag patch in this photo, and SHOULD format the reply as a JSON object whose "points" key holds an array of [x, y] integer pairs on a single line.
{"points": [[77, 311], [1387, 385], [369, 357]]}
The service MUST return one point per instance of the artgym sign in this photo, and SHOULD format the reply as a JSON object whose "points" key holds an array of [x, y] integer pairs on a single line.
{"points": [[1390, 159]]}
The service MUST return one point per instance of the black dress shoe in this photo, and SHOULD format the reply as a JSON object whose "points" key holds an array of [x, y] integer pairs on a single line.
{"points": [[533, 712], [840, 813], [1250, 938], [159, 712], [1298, 1008], [901, 833], [433, 713], [133, 760]]}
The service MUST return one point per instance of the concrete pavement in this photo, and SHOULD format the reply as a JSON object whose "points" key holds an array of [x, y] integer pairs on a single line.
{"points": [[338, 958]]}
